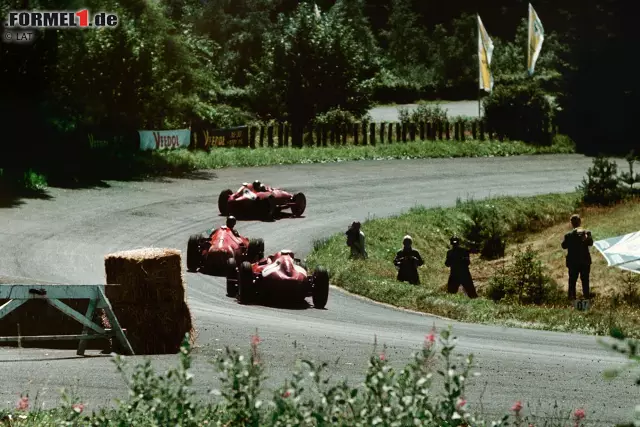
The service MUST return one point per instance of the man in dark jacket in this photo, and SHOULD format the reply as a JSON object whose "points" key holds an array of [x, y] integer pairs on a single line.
{"points": [[458, 260], [407, 261], [578, 260]]}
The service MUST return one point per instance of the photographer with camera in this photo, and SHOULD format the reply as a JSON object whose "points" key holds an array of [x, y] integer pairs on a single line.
{"points": [[407, 261], [458, 261], [578, 259], [355, 240]]}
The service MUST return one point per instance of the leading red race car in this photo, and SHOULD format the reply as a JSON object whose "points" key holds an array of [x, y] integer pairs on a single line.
{"points": [[259, 200], [210, 250], [278, 276]]}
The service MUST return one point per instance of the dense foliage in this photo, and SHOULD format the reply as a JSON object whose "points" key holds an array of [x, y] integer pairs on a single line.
{"points": [[172, 63]]}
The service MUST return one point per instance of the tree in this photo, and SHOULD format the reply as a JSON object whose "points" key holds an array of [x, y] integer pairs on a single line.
{"points": [[313, 62]]}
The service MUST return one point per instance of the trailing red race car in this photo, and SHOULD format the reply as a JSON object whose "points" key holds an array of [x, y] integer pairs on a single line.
{"points": [[259, 200], [279, 276], [210, 250]]}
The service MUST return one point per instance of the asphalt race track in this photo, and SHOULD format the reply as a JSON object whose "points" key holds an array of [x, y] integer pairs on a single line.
{"points": [[64, 240]]}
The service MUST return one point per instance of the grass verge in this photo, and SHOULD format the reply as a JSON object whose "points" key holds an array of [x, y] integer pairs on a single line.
{"points": [[540, 221]]}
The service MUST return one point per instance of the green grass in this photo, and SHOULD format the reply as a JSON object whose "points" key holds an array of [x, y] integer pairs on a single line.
{"points": [[227, 157], [375, 278]]}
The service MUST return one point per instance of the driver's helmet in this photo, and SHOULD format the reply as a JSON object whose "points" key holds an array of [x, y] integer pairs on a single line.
{"points": [[287, 252], [257, 185], [231, 221], [454, 240]]}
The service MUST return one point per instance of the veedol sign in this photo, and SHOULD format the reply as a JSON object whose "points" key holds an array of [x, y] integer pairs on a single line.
{"points": [[158, 139]]}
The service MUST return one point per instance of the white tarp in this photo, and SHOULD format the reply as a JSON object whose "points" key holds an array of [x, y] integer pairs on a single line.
{"points": [[621, 251], [159, 139]]}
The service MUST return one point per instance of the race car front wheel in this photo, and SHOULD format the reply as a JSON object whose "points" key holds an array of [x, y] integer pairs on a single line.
{"points": [[255, 252], [193, 252], [299, 204], [245, 283], [320, 293], [223, 205]]}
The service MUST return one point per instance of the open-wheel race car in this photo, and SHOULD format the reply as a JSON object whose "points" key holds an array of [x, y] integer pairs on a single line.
{"points": [[277, 277], [261, 201], [210, 250]]}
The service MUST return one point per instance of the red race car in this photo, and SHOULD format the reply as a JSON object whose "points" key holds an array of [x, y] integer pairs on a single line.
{"points": [[259, 200], [210, 250], [279, 276]]}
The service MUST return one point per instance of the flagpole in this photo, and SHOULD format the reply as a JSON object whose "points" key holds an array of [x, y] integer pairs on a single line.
{"points": [[479, 70]]}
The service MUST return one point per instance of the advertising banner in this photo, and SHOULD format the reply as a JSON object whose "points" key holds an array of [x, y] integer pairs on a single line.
{"points": [[228, 137], [161, 139]]}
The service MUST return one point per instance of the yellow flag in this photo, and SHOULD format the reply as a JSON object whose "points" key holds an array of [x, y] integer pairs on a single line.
{"points": [[485, 51], [536, 37]]}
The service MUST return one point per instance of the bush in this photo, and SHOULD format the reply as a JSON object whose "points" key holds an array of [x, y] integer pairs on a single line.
{"points": [[485, 230], [430, 113], [519, 112], [524, 281], [338, 117], [601, 186], [628, 178]]}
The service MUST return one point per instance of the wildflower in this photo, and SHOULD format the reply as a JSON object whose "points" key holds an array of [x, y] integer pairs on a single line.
{"points": [[78, 407], [286, 394], [579, 414], [517, 407], [255, 340], [23, 403], [383, 357], [461, 403]]}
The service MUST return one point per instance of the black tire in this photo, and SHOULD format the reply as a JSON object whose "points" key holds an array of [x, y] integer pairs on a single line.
{"points": [[300, 204], [269, 208], [246, 289], [232, 278], [320, 293], [223, 206], [255, 252], [193, 252]]}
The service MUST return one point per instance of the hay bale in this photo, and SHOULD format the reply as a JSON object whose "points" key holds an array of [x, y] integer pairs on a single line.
{"points": [[145, 275], [151, 299], [153, 328], [37, 317]]}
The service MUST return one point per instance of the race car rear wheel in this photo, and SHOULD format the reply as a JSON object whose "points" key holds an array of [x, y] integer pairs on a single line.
{"points": [[223, 205], [246, 289], [255, 252], [320, 293], [193, 252], [300, 204], [269, 208], [232, 278]]}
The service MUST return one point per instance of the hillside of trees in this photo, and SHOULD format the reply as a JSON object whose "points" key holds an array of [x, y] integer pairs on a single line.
{"points": [[171, 63]]}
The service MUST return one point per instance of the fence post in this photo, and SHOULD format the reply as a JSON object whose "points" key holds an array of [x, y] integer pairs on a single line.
{"points": [[422, 130], [318, 129], [412, 131], [270, 136], [332, 139], [356, 139], [325, 134], [372, 133], [364, 133], [280, 132], [252, 137], [261, 136], [285, 138], [474, 129], [345, 134], [447, 129], [390, 134], [382, 133], [481, 125], [404, 132], [456, 131], [463, 128]]}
